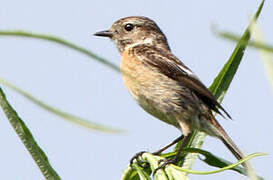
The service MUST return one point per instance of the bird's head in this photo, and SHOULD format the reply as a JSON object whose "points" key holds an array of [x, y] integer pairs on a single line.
{"points": [[134, 30]]}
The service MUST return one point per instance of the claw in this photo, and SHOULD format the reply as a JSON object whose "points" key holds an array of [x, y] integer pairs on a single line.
{"points": [[136, 157], [165, 163]]}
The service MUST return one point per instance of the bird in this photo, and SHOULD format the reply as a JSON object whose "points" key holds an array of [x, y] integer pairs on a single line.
{"points": [[163, 85]]}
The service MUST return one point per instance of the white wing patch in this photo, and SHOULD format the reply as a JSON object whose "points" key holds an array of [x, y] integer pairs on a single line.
{"points": [[188, 71]]}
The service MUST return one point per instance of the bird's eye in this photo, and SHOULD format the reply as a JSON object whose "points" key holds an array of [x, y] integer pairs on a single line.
{"points": [[129, 27]]}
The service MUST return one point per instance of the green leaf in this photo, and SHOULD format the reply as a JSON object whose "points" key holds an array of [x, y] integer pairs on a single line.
{"points": [[26, 137], [67, 116], [62, 42], [215, 161], [223, 80]]}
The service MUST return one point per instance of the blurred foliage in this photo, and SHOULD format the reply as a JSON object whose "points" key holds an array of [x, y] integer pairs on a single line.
{"points": [[67, 116]]}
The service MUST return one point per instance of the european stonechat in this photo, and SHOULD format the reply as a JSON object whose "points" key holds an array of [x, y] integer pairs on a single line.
{"points": [[162, 85]]}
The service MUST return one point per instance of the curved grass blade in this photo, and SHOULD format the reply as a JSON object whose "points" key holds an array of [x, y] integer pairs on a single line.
{"points": [[67, 116], [221, 169], [215, 161], [211, 159], [63, 42], [220, 85], [26, 137], [255, 44]]}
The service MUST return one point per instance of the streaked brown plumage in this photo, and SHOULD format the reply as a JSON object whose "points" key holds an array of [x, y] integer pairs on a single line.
{"points": [[161, 84]]}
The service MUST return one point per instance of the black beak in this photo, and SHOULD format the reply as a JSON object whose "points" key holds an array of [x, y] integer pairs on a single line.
{"points": [[106, 33]]}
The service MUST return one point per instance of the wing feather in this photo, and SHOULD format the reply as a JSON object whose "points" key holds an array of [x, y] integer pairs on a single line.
{"points": [[168, 64]]}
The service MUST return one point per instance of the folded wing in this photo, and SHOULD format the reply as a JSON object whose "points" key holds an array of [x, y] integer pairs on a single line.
{"points": [[168, 64]]}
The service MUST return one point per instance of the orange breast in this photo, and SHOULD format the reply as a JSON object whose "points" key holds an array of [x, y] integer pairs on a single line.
{"points": [[148, 87], [130, 69]]}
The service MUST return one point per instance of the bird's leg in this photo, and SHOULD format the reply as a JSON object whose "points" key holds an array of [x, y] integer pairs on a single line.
{"points": [[137, 155], [169, 145], [173, 160]]}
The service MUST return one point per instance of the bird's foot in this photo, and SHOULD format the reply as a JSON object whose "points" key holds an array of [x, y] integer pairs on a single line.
{"points": [[165, 162], [137, 157]]}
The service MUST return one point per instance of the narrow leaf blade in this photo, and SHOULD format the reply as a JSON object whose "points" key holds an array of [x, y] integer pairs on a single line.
{"points": [[223, 80], [221, 169], [26, 137], [67, 116], [62, 42]]}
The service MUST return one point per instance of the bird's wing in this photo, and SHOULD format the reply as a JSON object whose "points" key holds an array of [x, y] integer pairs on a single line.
{"points": [[166, 63]]}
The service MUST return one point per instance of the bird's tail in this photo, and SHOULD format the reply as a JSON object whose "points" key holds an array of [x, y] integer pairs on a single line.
{"points": [[222, 135], [230, 144], [234, 149]]}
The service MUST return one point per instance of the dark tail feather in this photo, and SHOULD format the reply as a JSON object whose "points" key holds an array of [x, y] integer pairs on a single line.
{"points": [[239, 155], [229, 143], [233, 148]]}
